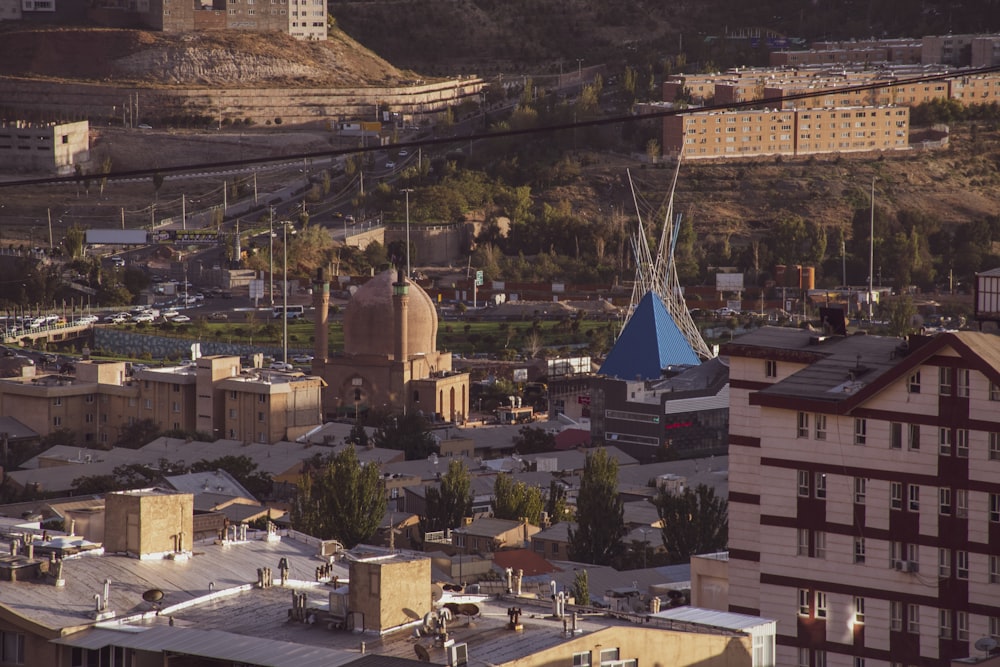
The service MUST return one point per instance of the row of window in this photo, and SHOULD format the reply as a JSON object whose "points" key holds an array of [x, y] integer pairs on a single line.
{"points": [[949, 440], [952, 624], [610, 657]]}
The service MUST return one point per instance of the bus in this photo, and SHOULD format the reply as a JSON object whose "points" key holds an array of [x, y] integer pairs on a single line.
{"points": [[293, 312]]}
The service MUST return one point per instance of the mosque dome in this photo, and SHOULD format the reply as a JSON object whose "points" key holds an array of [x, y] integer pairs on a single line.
{"points": [[369, 324]]}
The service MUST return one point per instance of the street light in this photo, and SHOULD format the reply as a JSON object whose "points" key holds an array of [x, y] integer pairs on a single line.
{"points": [[407, 191], [579, 73], [284, 292]]}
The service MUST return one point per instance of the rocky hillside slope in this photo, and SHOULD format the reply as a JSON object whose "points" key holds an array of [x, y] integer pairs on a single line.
{"points": [[198, 59]]}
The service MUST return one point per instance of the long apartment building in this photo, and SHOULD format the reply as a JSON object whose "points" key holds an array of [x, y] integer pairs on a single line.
{"points": [[214, 396], [864, 502], [747, 133], [956, 50]]}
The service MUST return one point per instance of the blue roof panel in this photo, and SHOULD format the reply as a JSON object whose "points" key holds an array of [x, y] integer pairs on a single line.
{"points": [[650, 342]]}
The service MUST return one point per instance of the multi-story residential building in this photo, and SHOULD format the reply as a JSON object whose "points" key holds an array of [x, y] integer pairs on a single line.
{"points": [[214, 396], [44, 146], [750, 132], [864, 506]]}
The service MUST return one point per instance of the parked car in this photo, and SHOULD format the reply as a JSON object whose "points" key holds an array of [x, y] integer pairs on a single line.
{"points": [[390, 165], [143, 317], [181, 319], [281, 366], [302, 358], [218, 316], [88, 319], [170, 312]]}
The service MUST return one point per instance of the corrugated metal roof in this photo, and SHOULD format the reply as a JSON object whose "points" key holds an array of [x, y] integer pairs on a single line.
{"points": [[215, 644], [650, 342]]}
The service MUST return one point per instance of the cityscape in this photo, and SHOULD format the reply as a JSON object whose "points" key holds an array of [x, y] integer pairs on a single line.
{"points": [[538, 335]]}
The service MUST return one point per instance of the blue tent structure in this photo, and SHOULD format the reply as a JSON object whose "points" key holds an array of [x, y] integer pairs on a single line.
{"points": [[650, 342]]}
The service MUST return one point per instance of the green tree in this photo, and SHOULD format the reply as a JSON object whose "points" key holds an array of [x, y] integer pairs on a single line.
{"points": [[898, 314], [600, 528], [694, 521], [450, 502], [73, 241], [340, 500], [533, 440], [409, 433], [138, 434], [555, 502], [581, 588], [516, 501]]}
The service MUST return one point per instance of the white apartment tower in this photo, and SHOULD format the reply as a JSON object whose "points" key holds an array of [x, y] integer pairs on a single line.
{"points": [[865, 494]]}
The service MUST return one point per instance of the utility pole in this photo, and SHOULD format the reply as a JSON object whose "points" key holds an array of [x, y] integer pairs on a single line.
{"points": [[871, 257], [284, 291], [184, 221], [49, 210], [270, 253]]}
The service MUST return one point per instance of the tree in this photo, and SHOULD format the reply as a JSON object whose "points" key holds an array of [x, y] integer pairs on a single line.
{"points": [[341, 500], [409, 433], [555, 502], [532, 440], [600, 516], [73, 241], [516, 501], [694, 521], [137, 434], [899, 314], [450, 502], [581, 588]]}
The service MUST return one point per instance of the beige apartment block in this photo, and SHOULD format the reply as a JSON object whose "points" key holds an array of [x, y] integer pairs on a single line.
{"points": [[43, 146]]}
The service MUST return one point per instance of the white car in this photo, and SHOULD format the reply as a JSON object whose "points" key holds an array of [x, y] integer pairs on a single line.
{"points": [[180, 319], [281, 366], [143, 317], [390, 165], [170, 312], [302, 358], [88, 319]]}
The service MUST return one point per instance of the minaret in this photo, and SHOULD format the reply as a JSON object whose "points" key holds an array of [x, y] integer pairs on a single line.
{"points": [[400, 306], [321, 302]]}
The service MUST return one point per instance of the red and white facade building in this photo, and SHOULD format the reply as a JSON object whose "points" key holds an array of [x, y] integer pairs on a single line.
{"points": [[864, 505]]}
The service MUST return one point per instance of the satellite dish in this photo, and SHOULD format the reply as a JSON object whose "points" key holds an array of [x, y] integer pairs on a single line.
{"points": [[436, 592], [453, 607], [468, 609], [986, 644], [153, 595], [423, 655], [430, 622]]}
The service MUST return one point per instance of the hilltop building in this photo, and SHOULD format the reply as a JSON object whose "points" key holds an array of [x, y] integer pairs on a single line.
{"points": [[864, 507], [390, 359]]}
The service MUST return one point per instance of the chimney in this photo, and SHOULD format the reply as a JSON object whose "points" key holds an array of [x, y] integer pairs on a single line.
{"points": [[321, 302]]}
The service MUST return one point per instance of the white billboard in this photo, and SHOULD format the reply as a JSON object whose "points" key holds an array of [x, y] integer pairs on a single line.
{"points": [[117, 237], [728, 282]]}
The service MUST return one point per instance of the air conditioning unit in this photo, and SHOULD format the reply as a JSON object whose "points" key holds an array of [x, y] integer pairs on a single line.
{"points": [[458, 655], [898, 564], [912, 566]]}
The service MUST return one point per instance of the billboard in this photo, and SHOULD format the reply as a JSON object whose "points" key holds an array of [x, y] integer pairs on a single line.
{"points": [[199, 236], [117, 237], [728, 282]]}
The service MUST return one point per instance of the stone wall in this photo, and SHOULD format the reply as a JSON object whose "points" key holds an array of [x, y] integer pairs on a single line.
{"points": [[135, 345]]}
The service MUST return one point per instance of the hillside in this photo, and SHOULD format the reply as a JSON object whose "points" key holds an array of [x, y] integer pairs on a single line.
{"points": [[213, 58]]}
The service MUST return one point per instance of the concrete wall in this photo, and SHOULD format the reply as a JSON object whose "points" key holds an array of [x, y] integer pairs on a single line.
{"points": [[148, 522], [390, 592], [292, 105]]}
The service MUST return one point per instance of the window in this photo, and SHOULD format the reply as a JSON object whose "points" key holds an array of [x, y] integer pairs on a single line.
{"points": [[962, 443], [609, 655], [995, 627], [260, 416], [913, 383], [820, 604], [803, 548], [770, 368], [913, 555], [176, 406], [913, 436], [860, 490], [895, 435], [962, 382], [803, 429], [57, 421], [819, 658], [896, 615], [11, 648], [995, 569], [962, 626], [859, 610], [57, 401], [148, 404], [944, 381], [995, 446], [803, 484], [819, 544], [89, 398], [821, 427], [232, 396], [913, 619], [581, 659], [860, 431], [944, 441], [232, 413], [859, 550], [895, 553], [944, 563], [944, 624], [803, 602], [962, 564], [821, 485], [944, 501], [88, 418], [859, 662], [995, 508], [261, 398], [804, 658], [994, 391], [962, 503], [896, 495]]}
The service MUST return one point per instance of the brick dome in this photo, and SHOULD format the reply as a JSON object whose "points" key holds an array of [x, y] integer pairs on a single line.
{"points": [[369, 325]]}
